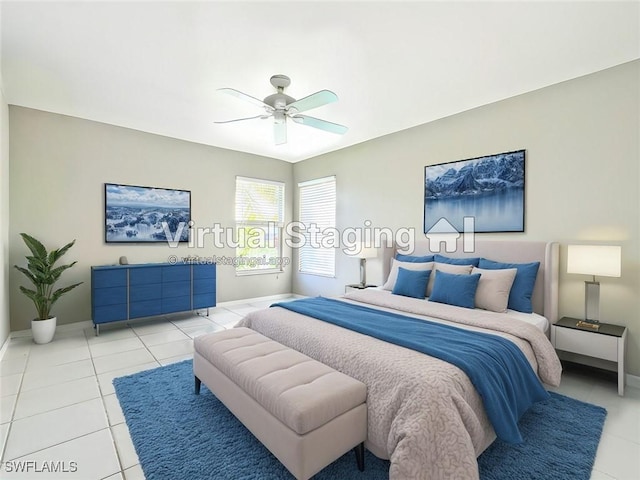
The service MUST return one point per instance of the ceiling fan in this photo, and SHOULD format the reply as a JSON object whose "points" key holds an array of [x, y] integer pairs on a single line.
{"points": [[281, 107]]}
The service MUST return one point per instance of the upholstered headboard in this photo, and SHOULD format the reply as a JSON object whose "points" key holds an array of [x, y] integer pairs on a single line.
{"points": [[545, 292]]}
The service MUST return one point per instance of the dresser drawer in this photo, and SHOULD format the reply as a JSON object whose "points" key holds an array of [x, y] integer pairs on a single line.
{"points": [[587, 343], [144, 276], [145, 309], [176, 289], [138, 293], [176, 273], [176, 304], [109, 313], [111, 277], [204, 300], [109, 296], [201, 286], [204, 272]]}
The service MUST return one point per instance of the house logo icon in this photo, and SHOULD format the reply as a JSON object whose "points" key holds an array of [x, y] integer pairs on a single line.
{"points": [[444, 232]]}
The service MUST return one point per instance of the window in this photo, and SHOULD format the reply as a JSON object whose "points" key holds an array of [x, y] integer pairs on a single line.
{"points": [[259, 222], [318, 213]]}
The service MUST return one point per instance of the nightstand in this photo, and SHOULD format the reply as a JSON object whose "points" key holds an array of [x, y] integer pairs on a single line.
{"points": [[356, 286], [607, 342]]}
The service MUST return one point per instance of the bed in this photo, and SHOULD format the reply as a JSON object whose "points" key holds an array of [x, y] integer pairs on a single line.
{"points": [[424, 414]]}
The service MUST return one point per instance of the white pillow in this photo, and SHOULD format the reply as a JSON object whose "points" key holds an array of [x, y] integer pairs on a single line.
{"points": [[395, 264], [446, 268], [493, 288]]}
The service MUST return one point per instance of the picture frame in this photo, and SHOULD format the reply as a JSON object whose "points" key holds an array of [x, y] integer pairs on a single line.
{"points": [[139, 214], [488, 189]]}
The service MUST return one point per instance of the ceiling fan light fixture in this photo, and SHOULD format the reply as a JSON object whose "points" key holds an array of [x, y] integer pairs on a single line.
{"points": [[279, 117]]}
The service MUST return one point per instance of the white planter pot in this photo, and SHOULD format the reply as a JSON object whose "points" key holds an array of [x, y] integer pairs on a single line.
{"points": [[43, 330]]}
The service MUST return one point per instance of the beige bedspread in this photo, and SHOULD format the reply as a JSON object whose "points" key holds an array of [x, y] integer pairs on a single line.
{"points": [[423, 413]]}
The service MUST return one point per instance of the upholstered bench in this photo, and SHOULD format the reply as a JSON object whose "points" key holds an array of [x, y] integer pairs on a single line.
{"points": [[306, 413]]}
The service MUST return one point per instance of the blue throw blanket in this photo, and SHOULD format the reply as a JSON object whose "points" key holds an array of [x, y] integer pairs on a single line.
{"points": [[497, 367]]}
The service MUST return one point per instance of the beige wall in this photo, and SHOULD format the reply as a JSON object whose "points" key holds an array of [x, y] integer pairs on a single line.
{"points": [[582, 180], [59, 165]]}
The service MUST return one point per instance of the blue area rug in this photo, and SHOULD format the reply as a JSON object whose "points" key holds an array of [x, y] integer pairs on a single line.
{"points": [[179, 435]]}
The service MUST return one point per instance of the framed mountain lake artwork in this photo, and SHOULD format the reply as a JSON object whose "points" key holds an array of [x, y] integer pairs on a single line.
{"points": [[135, 214], [483, 193]]}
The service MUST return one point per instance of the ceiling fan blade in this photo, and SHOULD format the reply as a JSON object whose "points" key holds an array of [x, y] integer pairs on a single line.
{"points": [[245, 97], [280, 133], [241, 119], [314, 100], [321, 124]]}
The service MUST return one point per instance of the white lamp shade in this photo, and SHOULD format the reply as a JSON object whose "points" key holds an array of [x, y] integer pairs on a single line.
{"points": [[367, 252], [597, 260]]}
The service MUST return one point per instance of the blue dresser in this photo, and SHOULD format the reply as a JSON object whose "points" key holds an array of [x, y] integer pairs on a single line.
{"points": [[124, 292]]}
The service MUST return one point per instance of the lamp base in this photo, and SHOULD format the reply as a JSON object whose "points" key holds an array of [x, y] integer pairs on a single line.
{"points": [[592, 302], [594, 322], [363, 273]]}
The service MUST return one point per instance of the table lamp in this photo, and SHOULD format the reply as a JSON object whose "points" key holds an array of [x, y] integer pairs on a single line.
{"points": [[600, 260], [365, 252]]}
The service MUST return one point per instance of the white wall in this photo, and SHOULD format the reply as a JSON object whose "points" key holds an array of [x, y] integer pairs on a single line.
{"points": [[4, 213], [582, 145], [59, 165], [4, 218]]}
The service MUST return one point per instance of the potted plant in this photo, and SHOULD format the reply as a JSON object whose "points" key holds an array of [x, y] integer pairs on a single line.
{"points": [[43, 274]]}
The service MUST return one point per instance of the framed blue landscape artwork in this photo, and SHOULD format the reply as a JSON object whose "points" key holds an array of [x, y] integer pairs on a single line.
{"points": [[488, 189], [146, 214]]}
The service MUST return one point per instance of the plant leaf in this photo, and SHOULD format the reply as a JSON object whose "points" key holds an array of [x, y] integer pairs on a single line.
{"points": [[55, 255], [37, 249], [39, 301], [61, 291], [27, 273], [32, 294], [56, 272]]}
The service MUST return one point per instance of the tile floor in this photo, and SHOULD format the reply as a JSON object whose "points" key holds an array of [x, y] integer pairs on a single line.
{"points": [[57, 402]]}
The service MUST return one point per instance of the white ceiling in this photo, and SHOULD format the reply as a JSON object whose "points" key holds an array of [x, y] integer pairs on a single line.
{"points": [[155, 66]]}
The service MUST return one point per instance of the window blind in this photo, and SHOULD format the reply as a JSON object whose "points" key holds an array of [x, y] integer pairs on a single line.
{"points": [[259, 202], [259, 208], [317, 207]]}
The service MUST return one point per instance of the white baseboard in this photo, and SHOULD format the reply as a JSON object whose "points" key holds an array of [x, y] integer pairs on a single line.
{"points": [[632, 380], [66, 327], [73, 326]]}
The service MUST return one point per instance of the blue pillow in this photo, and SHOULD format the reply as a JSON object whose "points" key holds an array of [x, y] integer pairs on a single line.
{"points": [[457, 261], [413, 259], [411, 283], [522, 288], [458, 290]]}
